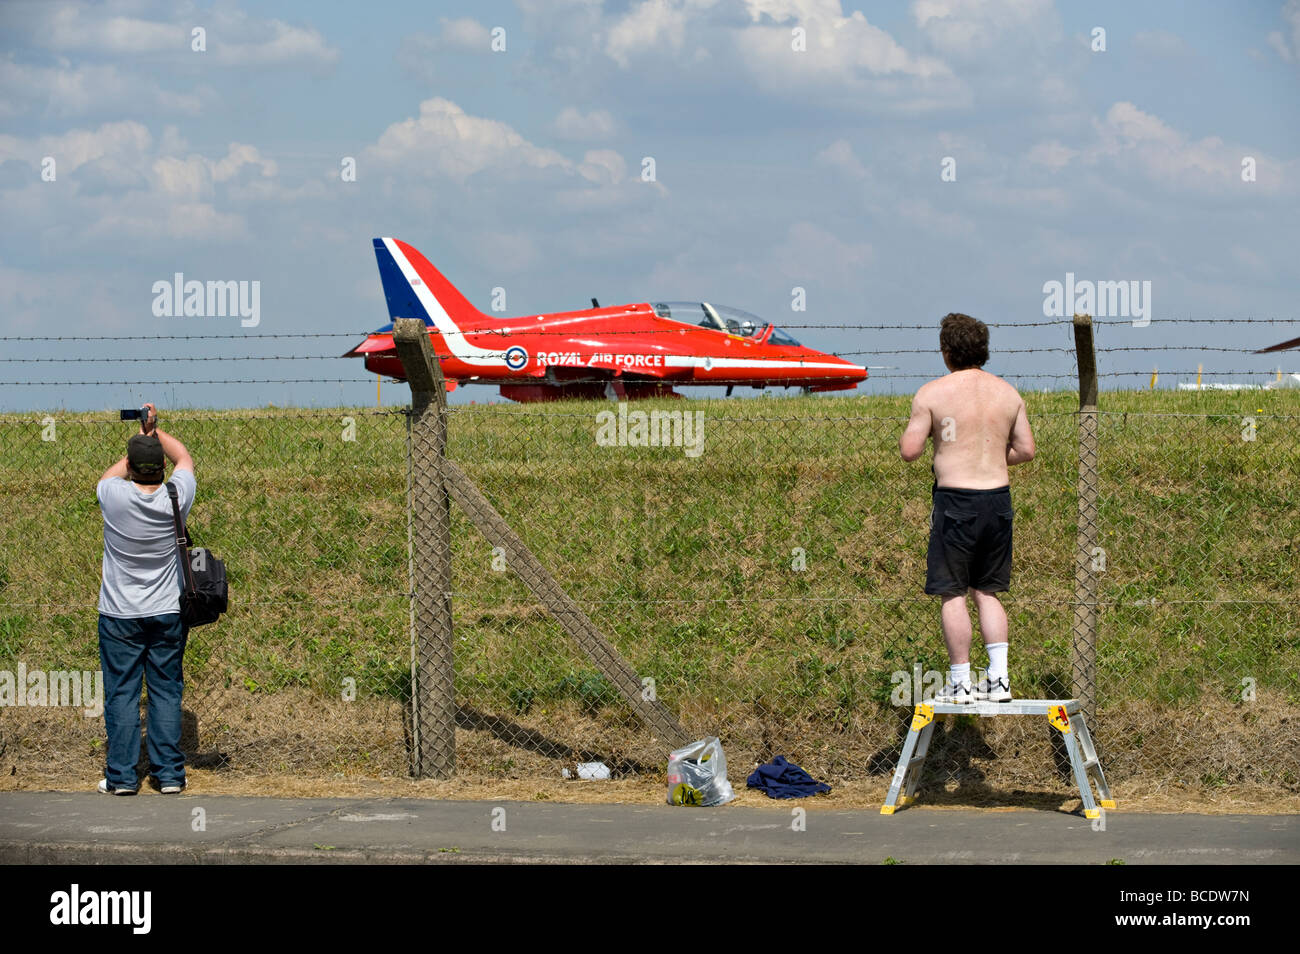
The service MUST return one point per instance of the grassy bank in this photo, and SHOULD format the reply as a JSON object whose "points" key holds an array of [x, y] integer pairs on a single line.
{"points": [[770, 586]]}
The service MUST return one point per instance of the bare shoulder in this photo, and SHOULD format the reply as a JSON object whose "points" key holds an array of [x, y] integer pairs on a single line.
{"points": [[927, 391], [1008, 390]]}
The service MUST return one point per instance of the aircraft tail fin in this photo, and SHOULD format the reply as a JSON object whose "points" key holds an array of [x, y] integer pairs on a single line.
{"points": [[413, 288]]}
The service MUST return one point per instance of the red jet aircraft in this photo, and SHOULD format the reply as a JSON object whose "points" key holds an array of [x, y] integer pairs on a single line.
{"points": [[627, 351]]}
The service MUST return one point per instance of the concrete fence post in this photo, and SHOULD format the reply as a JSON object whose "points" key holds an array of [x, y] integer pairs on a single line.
{"points": [[433, 692], [1086, 552]]}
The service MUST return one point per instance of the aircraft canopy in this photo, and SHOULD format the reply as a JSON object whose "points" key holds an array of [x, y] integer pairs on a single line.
{"points": [[721, 318]]}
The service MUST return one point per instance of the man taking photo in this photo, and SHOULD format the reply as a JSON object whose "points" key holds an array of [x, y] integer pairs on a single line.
{"points": [[141, 635], [979, 428]]}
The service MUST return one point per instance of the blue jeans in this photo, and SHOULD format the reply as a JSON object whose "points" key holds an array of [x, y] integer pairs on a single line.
{"points": [[130, 650]]}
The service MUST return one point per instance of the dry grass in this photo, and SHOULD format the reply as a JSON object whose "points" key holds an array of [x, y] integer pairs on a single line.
{"points": [[1224, 758]]}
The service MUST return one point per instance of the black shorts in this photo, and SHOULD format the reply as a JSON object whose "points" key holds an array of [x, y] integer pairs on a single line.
{"points": [[970, 541]]}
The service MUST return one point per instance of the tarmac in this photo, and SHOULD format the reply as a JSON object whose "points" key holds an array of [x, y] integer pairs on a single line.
{"points": [[87, 828]]}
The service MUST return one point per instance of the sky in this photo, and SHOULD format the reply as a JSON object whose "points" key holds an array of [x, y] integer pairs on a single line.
{"points": [[896, 161]]}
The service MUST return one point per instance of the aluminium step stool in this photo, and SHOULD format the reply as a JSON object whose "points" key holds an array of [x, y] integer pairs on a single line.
{"points": [[1064, 715]]}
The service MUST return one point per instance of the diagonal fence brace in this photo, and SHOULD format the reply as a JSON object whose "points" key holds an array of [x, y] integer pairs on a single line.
{"points": [[566, 612]]}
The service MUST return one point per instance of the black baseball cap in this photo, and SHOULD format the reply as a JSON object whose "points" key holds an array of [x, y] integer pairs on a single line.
{"points": [[144, 455]]}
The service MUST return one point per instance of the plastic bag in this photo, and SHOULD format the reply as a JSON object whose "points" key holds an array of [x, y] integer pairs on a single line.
{"points": [[697, 775]]}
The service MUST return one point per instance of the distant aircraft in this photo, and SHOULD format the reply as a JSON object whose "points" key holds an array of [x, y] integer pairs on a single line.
{"points": [[624, 351]]}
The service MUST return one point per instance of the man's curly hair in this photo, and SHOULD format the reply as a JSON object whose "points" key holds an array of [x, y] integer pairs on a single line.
{"points": [[965, 341]]}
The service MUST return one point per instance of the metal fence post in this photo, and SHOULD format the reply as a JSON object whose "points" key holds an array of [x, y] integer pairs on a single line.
{"points": [[1084, 647], [433, 693]]}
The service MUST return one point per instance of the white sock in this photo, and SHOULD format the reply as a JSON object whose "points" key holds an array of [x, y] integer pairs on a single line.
{"points": [[958, 673], [997, 661]]}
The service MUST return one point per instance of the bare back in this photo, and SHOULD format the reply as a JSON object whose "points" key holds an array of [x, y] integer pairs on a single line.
{"points": [[978, 425]]}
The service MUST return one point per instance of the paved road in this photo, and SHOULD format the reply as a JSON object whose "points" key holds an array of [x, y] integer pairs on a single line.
{"points": [[44, 827]]}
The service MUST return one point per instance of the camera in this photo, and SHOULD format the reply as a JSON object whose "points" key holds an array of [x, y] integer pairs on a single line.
{"points": [[135, 414]]}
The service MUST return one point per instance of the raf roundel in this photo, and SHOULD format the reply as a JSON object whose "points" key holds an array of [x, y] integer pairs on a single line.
{"points": [[516, 358]]}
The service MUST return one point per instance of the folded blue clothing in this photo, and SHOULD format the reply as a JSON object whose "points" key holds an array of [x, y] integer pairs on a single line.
{"points": [[782, 779]]}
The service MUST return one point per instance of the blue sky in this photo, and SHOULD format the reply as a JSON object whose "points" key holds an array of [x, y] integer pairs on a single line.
{"points": [[521, 169]]}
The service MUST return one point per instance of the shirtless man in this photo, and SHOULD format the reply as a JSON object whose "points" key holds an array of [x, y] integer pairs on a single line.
{"points": [[978, 424]]}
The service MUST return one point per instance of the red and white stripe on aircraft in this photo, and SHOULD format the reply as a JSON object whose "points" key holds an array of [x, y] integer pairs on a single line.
{"points": [[462, 349]]}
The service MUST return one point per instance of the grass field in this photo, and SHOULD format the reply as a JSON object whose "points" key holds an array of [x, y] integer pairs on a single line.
{"points": [[771, 588]]}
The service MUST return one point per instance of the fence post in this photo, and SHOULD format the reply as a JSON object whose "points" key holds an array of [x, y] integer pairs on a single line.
{"points": [[1083, 654], [433, 693]]}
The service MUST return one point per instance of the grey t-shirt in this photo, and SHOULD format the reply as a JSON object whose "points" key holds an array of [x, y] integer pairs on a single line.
{"points": [[141, 574]]}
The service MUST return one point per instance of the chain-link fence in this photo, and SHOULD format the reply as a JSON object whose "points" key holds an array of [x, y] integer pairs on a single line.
{"points": [[309, 670], [758, 564]]}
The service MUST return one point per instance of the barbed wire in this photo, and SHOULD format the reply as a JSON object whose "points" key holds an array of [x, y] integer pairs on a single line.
{"points": [[666, 382], [233, 414], [64, 384], [268, 357], [509, 332], [286, 334], [441, 356], [1196, 321]]}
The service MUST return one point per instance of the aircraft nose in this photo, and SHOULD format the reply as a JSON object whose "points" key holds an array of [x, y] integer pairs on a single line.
{"points": [[854, 372]]}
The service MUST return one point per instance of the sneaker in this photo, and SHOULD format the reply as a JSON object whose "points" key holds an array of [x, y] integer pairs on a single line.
{"points": [[956, 693], [106, 789], [172, 788], [996, 689]]}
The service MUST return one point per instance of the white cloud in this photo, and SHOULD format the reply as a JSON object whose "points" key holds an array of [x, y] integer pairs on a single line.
{"points": [[839, 47], [274, 43], [1286, 42], [603, 167], [126, 141], [445, 140], [466, 33], [649, 26], [572, 124], [970, 27], [81, 28], [839, 155], [189, 221], [195, 176], [115, 182], [67, 90], [421, 54], [844, 52], [237, 157], [233, 37], [1052, 154], [1136, 141]]}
